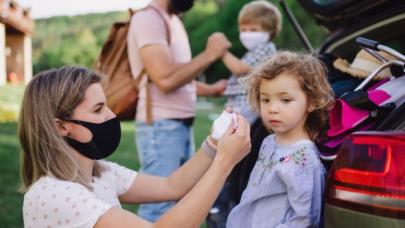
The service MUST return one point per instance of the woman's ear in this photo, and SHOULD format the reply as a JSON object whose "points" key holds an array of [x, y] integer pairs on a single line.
{"points": [[61, 127]]}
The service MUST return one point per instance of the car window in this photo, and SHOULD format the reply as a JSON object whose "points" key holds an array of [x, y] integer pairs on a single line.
{"points": [[325, 2]]}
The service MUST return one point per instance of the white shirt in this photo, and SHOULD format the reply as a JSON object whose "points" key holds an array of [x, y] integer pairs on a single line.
{"points": [[51, 202]]}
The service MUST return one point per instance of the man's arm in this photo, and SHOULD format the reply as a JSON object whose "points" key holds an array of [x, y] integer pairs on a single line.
{"points": [[168, 75], [235, 65]]}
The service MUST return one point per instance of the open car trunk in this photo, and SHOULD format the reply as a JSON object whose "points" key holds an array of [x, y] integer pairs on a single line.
{"points": [[381, 20]]}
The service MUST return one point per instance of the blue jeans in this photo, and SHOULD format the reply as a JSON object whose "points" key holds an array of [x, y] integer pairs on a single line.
{"points": [[162, 148]]}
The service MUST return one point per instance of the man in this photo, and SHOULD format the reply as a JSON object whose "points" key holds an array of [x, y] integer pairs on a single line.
{"points": [[158, 43]]}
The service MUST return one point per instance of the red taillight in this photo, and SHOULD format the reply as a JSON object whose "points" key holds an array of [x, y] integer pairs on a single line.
{"points": [[369, 174]]}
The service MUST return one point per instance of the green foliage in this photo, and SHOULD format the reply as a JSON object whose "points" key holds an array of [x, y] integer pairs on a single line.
{"points": [[288, 39], [10, 98], [77, 40], [71, 40]]}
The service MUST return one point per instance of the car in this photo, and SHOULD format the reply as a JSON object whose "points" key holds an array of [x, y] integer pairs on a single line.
{"points": [[366, 182]]}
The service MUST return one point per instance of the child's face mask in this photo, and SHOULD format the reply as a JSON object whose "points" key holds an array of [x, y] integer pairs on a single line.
{"points": [[252, 40]]}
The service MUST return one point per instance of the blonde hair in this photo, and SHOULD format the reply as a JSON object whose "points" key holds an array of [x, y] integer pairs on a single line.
{"points": [[263, 13], [311, 74], [51, 94]]}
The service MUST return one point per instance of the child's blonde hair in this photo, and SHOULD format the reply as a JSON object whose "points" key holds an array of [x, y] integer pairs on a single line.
{"points": [[263, 13], [311, 74], [51, 94]]}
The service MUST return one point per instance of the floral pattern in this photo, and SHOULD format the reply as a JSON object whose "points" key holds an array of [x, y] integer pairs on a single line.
{"points": [[298, 157]]}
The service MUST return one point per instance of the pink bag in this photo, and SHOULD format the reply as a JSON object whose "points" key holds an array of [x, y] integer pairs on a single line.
{"points": [[359, 111], [344, 117]]}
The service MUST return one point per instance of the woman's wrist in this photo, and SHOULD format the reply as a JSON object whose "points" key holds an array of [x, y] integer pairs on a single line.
{"points": [[209, 148]]}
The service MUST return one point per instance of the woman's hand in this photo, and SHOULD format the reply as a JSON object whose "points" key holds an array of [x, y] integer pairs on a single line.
{"points": [[235, 143]]}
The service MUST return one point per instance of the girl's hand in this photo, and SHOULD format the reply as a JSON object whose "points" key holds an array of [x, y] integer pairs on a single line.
{"points": [[235, 144]]}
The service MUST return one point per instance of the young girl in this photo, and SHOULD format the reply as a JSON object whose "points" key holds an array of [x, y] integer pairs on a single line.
{"points": [[285, 187], [65, 128]]}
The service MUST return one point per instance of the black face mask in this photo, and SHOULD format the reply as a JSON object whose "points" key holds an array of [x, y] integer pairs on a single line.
{"points": [[106, 138], [180, 6]]}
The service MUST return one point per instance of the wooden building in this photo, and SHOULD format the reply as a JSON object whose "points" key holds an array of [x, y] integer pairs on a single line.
{"points": [[16, 28]]}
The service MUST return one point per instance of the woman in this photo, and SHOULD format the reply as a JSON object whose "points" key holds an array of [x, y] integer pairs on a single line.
{"points": [[65, 128]]}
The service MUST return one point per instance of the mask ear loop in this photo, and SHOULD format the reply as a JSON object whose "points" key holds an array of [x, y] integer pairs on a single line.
{"points": [[72, 121]]}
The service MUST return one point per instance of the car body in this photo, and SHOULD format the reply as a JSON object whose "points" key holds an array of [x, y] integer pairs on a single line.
{"points": [[366, 184]]}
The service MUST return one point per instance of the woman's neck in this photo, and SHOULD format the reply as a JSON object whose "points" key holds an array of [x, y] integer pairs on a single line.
{"points": [[86, 165]]}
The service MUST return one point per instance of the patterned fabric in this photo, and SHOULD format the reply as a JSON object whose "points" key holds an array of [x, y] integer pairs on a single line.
{"points": [[235, 91], [285, 188], [51, 202]]}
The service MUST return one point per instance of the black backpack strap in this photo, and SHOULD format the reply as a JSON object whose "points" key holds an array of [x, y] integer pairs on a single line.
{"points": [[359, 99]]}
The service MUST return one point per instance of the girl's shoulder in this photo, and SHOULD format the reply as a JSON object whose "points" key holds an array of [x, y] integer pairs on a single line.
{"points": [[302, 155], [268, 140]]}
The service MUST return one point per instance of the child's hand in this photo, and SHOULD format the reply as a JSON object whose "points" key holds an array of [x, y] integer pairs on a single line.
{"points": [[217, 45], [218, 88]]}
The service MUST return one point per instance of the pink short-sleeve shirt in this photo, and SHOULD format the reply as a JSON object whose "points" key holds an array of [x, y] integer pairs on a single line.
{"points": [[148, 28]]}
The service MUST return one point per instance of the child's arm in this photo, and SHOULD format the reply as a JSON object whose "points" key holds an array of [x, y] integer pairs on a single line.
{"points": [[301, 184], [215, 89], [235, 65]]}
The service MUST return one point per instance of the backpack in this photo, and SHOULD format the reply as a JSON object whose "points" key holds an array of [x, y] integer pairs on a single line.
{"points": [[120, 87]]}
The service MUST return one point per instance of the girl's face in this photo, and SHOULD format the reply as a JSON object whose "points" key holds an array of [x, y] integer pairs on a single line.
{"points": [[93, 109], [284, 106]]}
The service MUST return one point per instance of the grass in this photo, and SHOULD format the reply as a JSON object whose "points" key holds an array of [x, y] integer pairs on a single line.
{"points": [[11, 200]]}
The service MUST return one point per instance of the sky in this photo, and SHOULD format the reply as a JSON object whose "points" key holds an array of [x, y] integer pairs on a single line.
{"points": [[48, 8]]}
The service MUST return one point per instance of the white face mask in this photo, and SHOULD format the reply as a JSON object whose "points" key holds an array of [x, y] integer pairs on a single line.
{"points": [[251, 40]]}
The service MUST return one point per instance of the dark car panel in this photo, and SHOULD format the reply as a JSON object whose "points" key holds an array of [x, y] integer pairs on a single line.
{"points": [[366, 185], [342, 217], [387, 29], [338, 14], [380, 20]]}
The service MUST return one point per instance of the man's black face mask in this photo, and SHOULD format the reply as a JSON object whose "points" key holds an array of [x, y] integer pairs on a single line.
{"points": [[180, 6]]}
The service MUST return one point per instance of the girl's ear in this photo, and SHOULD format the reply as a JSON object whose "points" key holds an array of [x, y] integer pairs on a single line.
{"points": [[61, 127], [311, 106]]}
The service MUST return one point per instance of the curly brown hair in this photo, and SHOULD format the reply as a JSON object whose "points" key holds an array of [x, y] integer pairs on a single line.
{"points": [[311, 74]]}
